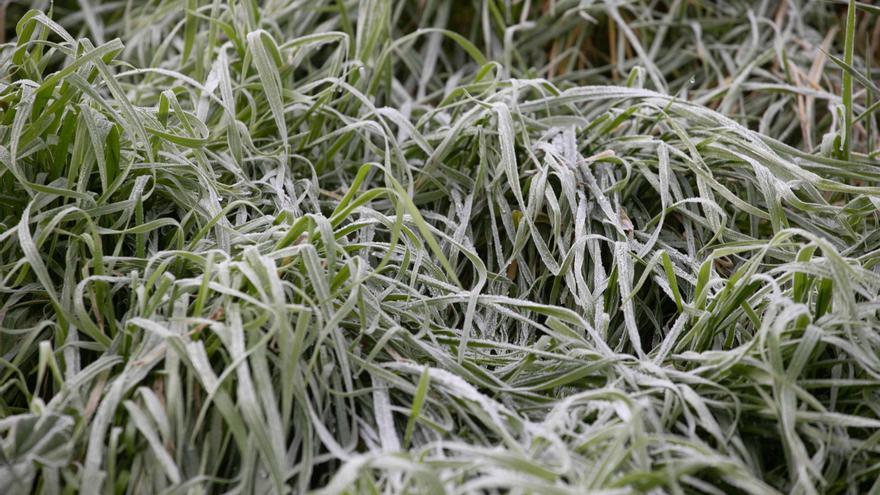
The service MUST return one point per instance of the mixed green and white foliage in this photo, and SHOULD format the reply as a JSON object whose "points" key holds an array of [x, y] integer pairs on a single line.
{"points": [[430, 246]]}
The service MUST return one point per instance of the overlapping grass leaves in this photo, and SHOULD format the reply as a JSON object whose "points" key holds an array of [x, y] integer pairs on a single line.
{"points": [[368, 247]]}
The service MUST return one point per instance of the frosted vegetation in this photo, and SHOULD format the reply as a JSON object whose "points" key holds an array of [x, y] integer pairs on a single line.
{"points": [[425, 246]]}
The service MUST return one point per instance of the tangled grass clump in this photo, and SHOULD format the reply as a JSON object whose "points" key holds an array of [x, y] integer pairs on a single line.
{"points": [[468, 246]]}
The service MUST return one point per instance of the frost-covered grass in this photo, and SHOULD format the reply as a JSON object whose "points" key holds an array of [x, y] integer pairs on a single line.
{"points": [[428, 246]]}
